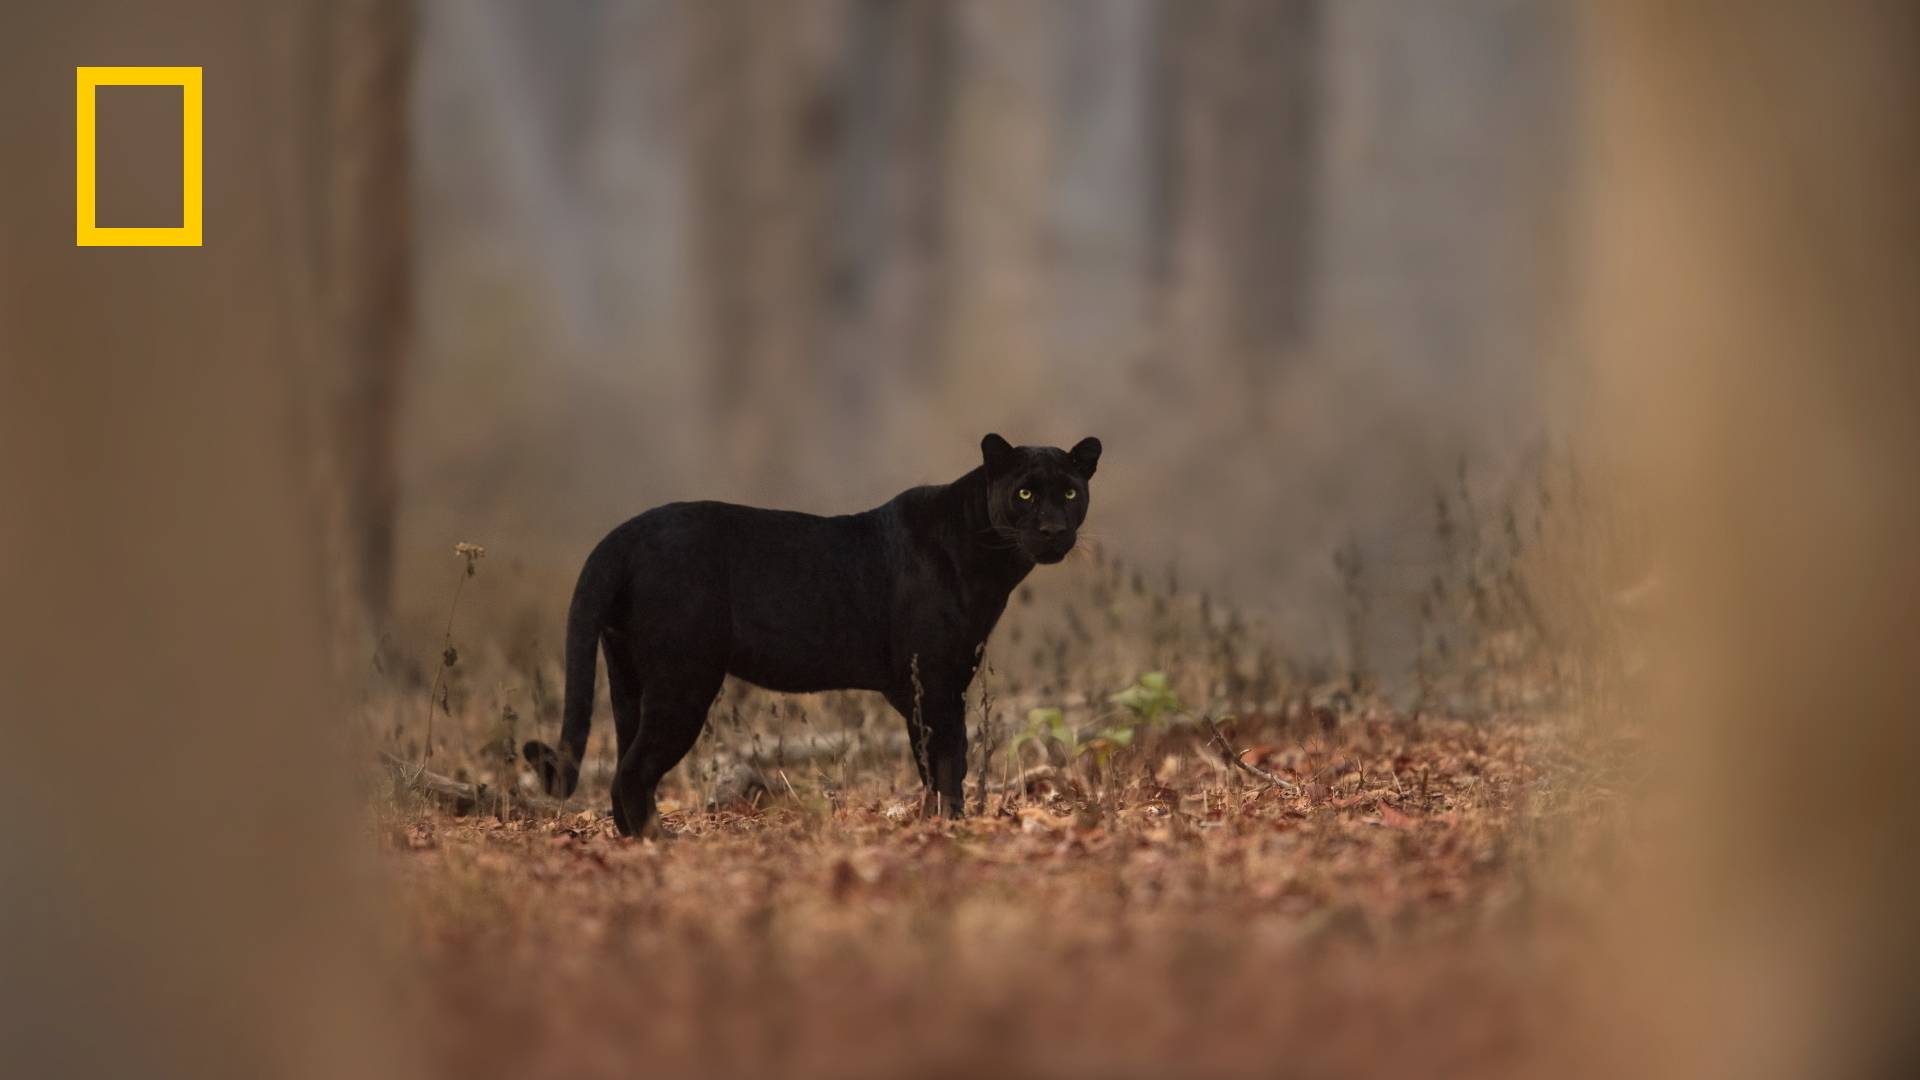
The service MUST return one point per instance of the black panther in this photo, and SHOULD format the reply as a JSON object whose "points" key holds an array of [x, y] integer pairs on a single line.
{"points": [[903, 594]]}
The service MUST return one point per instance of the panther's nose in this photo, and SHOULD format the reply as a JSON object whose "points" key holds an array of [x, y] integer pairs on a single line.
{"points": [[1051, 529]]}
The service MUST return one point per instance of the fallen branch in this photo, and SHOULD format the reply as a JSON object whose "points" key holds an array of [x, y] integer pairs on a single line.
{"points": [[459, 797], [1219, 740]]}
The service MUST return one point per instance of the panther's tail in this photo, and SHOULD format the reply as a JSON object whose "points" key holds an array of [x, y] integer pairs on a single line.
{"points": [[593, 599]]}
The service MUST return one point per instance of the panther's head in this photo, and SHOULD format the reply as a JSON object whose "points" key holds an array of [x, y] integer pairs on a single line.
{"points": [[1037, 495]]}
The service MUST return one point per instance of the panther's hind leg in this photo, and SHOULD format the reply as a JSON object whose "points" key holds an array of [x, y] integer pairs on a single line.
{"points": [[624, 689], [671, 716]]}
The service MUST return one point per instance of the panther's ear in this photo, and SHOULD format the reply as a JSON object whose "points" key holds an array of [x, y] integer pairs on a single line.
{"points": [[1085, 455], [997, 453]]}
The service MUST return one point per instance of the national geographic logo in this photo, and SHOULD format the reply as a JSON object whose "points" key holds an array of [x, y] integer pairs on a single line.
{"points": [[88, 232]]}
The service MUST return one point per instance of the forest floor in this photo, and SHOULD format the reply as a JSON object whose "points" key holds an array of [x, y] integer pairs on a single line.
{"points": [[1414, 902]]}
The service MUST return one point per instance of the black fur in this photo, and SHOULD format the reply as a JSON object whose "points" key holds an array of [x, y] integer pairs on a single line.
{"points": [[688, 593]]}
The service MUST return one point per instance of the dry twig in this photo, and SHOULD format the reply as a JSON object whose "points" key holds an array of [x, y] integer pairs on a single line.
{"points": [[457, 796], [1219, 739]]}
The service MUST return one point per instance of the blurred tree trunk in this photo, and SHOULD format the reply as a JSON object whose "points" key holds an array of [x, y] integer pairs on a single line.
{"points": [[885, 286], [1101, 187], [1752, 259], [191, 897], [994, 350], [365, 277], [768, 126], [1237, 161], [819, 162]]}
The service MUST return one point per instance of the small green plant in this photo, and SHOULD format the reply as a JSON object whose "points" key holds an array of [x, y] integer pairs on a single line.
{"points": [[1150, 700], [1046, 726], [1148, 703], [1106, 742]]}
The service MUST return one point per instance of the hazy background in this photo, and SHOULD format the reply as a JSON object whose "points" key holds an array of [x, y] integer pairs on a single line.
{"points": [[1294, 263], [618, 305]]}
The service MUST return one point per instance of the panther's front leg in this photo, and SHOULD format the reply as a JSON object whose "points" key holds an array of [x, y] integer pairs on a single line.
{"points": [[938, 734], [947, 758]]}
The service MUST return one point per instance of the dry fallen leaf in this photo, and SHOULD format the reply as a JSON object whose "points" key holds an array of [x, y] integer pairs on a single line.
{"points": [[1394, 819]]}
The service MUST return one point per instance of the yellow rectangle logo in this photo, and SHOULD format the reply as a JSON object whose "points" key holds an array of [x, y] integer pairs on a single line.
{"points": [[86, 232]]}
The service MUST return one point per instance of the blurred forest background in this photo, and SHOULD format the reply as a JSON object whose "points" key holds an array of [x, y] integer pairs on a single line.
{"points": [[1295, 263], [507, 273]]}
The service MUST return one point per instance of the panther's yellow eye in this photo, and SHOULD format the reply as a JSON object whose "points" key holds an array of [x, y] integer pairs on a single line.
{"points": [[1072, 494], [1025, 495]]}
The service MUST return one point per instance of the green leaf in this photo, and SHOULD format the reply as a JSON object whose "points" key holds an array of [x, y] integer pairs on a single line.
{"points": [[1045, 717], [1149, 698]]}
